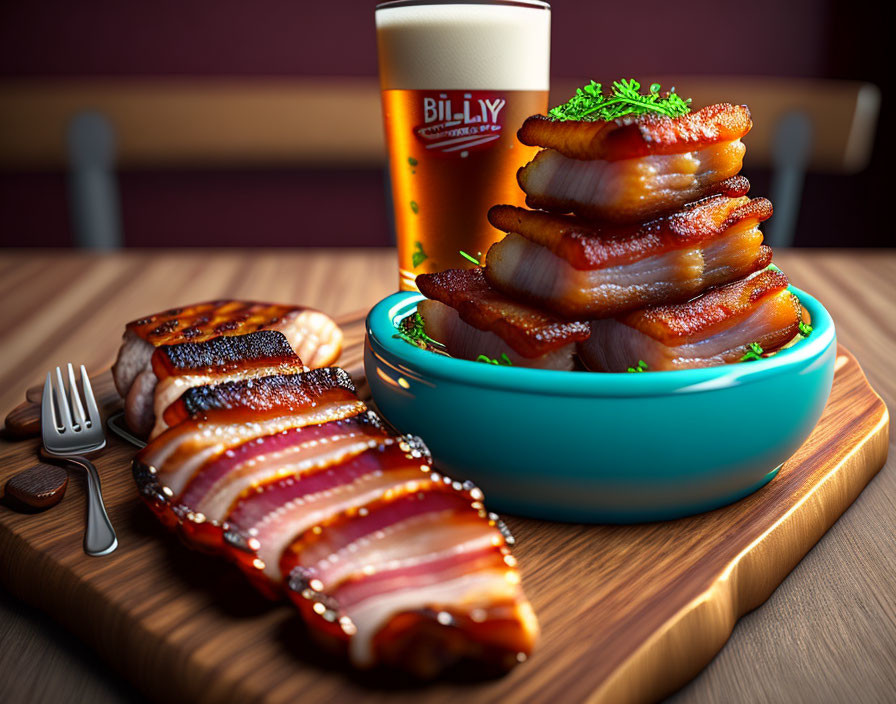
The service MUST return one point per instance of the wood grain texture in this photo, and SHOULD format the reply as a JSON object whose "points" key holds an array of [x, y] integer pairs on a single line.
{"points": [[565, 572], [661, 598]]}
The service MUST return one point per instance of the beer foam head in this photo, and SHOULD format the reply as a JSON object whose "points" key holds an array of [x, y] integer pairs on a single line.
{"points": [[464, 46]]}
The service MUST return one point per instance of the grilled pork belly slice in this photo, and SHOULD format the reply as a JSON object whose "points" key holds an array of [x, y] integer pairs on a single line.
{"points": [[471, 319], [419, 579], [581, 270], [634, 136], [208, 420], [715, 328], [312, 334], [630, 190], [180, 367], [633, 168]]}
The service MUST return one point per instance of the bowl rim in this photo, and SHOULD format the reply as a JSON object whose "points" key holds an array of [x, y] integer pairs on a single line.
{"points": [[380, 329]]}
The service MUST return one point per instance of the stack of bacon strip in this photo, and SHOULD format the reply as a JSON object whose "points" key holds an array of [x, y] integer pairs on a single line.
{"points": [[289, 475], [641, 245], [148, 379]]}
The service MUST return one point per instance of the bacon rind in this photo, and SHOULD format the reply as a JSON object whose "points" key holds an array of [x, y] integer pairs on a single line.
{"points": [[635, 136], [203, 321], [224, 355], [678, 324], [259, 398], [529, 331], [589, 246]]}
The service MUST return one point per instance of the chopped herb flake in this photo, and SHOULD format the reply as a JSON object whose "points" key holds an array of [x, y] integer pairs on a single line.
{"points": [[469, 257], [412, 161], [415, 207], [503, 360], [805, 329], [642, 367], [754, 353], [413, 330], [418, 256]]}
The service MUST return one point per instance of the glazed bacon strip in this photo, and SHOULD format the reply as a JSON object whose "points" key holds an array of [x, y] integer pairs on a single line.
{"points": [[582, 270], [715, 328], [470, 318], [633, 168], [253, 471]]}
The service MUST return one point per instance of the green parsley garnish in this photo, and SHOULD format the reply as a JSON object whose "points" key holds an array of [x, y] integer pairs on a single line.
{"points": [[805, 329], [754, 353], [469, 257], [503, 360], [642, 367], [412, 330], [590, 104], [415, 207], [412, 161], [418, 256]]}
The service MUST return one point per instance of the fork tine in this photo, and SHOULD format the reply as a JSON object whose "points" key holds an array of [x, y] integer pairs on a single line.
{"points": [[77, 408], [47, 409], [62, 402], [90, 399]]}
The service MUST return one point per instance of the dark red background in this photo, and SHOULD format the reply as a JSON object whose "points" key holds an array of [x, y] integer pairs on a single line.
{"points": [[812, 38]]}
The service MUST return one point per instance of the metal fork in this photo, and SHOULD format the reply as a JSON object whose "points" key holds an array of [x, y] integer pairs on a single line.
{"points": [[68, 433]]}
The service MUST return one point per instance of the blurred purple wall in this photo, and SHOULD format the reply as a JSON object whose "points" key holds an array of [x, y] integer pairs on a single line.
{"points": [[814, 38], [336, 37]]}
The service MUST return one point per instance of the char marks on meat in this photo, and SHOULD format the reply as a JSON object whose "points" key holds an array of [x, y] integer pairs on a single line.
{"points": [[209, 420], [207, 331], [222, 355], [258, 399], [176, 368], [204, 321]]}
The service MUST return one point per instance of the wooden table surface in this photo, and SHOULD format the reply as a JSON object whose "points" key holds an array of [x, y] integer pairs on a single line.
{"points": [[828, 633]]}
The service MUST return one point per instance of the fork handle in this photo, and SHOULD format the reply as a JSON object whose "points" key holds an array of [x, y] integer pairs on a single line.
{"points": [[99, 539]]}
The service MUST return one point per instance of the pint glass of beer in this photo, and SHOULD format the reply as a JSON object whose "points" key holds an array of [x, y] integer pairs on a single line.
{"points": [[458, 79]]}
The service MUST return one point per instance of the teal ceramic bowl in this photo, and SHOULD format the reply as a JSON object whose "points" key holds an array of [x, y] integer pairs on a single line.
{"points": [[615, 448]]}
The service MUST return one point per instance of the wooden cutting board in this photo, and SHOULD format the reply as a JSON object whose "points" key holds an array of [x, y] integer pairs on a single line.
{"points": [[628, 613]]}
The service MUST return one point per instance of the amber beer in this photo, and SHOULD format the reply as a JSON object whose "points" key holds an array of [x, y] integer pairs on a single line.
{"points": [[458, 80]]}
